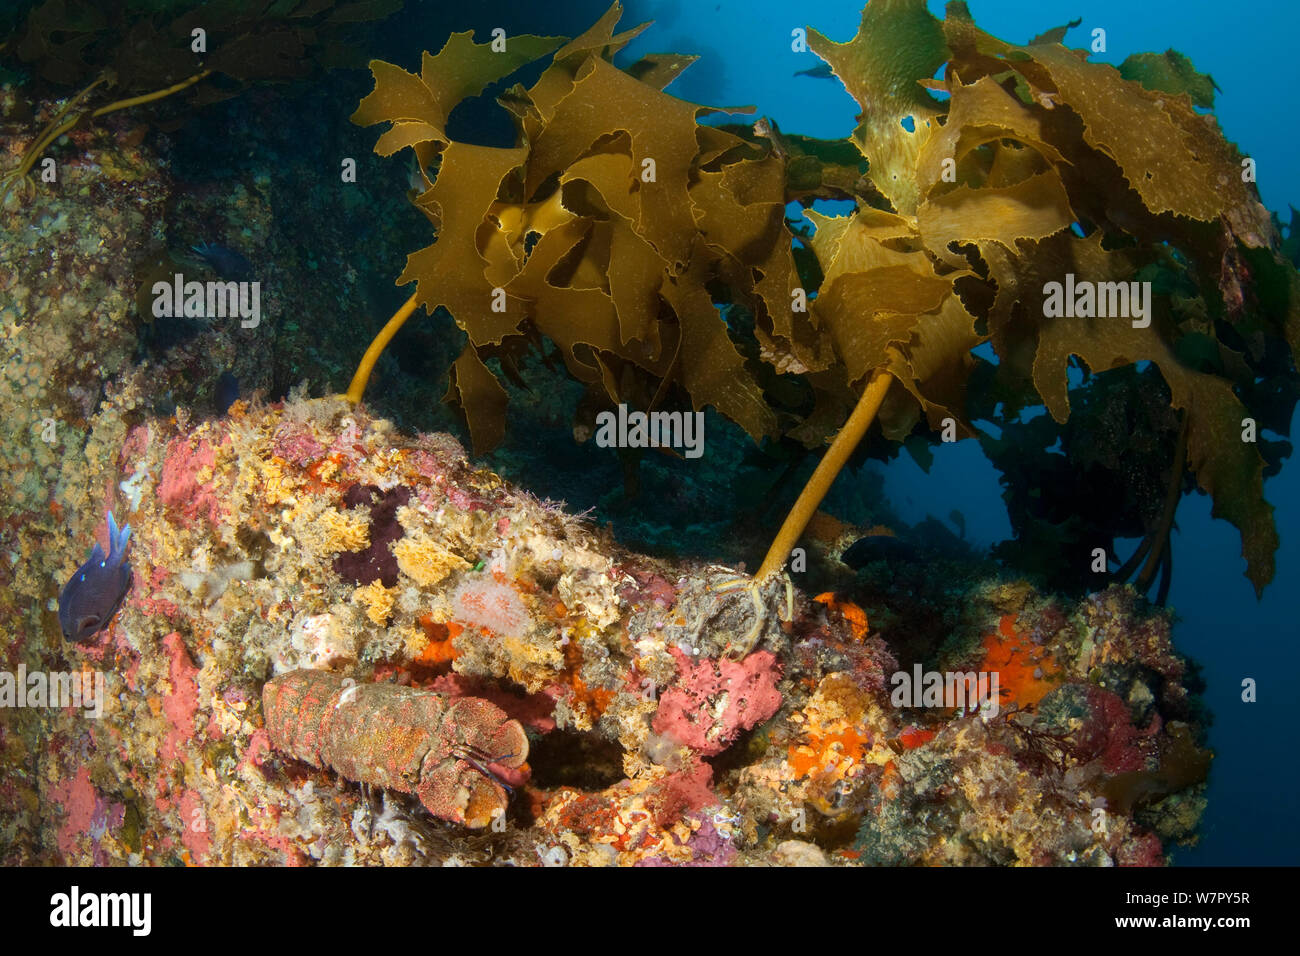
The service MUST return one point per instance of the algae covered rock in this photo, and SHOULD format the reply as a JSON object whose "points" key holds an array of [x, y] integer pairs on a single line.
{"points": [[647, 745]]}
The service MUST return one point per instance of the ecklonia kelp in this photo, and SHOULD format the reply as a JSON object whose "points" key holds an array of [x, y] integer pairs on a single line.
{"points": [[872, 293], [418, 105], [475, 389], [1229, 469], [934, 365], [979, 113], [1176, 159], [451, 271], [898, 44], [1033, 208], [709, 367], [606, 101]]}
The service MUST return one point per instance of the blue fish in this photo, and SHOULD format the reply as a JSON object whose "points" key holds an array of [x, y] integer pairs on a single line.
{"points": [[95, 591], [226, 262], [227, 392], [822, 71]]}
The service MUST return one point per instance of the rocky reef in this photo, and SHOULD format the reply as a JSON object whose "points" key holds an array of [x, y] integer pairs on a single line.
{"points": [[254, 541]]}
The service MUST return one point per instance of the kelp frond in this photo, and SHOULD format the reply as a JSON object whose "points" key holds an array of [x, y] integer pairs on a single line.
{"points": [[617, 222]]}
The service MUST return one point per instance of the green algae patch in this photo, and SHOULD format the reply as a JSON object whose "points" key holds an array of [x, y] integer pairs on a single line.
{"points": [[1171, 72]]}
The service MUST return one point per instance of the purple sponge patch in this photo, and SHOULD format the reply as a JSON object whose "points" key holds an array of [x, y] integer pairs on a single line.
{"points": [[375, 563]]}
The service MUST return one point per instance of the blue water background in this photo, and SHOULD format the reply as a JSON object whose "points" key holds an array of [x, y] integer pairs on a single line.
{"points": [[1249, 50]]}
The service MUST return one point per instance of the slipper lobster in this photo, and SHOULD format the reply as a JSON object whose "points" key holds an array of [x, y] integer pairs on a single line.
{"points": [[459, 755]]}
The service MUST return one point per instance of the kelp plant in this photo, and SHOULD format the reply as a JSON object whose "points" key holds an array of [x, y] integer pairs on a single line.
{"points": [[618, 221]]}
